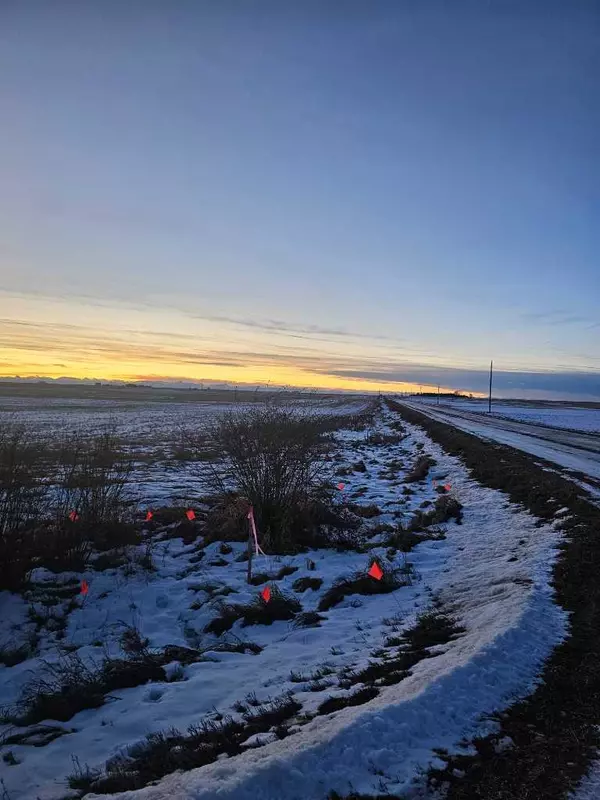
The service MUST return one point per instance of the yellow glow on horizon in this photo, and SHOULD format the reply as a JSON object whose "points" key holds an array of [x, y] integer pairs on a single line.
{"points": [[63, 338], [242, 375]]}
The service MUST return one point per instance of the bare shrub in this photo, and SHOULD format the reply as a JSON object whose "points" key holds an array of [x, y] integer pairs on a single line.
{"points": [[59, 500], [359, 421], [94, 477], [355, 699], [228, 615], [64, 689], [308, 619], [228, 519], [362, 583], [82, 778], [65, 545], [302, 584], [432, 628], [133, 643], [263, 577], [192, 445], [273, 456], [92, 500], [405, 540], [22, 498], [13, 654], [280, 606], [366, 512], [446, 508], [21, 490], [166, 751], [69, 685], [420, 469], [141, 559]]}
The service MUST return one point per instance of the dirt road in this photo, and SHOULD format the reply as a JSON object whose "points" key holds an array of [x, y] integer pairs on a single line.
{"points": [[574, 451]]}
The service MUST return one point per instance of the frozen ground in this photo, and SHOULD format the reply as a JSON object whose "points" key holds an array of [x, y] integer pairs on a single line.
{"points": [[140, 423], [491, 572], [589, 789], [152, 433]]}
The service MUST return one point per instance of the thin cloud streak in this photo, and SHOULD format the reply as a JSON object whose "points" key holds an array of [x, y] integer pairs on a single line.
{"points": [[585, 383], [54, 344], [284, 327], [559, 318], [266, 325], [80, 341]]}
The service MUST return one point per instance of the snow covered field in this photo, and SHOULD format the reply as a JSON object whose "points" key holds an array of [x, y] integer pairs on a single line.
{"points": [[152, 433], [150, 424], [490, 573]]}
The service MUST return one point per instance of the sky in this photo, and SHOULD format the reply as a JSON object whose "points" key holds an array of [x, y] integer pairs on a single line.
{"points": [[358, 195]]}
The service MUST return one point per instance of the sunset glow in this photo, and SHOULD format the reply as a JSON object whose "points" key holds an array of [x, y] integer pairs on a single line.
{"points": [[39, 344], [394, 209]]}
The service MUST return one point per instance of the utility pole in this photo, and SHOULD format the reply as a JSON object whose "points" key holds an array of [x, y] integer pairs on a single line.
{"points": [[438, 402], [490, 397]]}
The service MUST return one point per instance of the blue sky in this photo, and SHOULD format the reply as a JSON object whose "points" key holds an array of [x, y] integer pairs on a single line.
{"points": [[314, 193]]}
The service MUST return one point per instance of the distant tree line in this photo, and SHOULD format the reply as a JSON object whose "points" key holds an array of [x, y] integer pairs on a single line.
{"points": [[446, 394]]}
